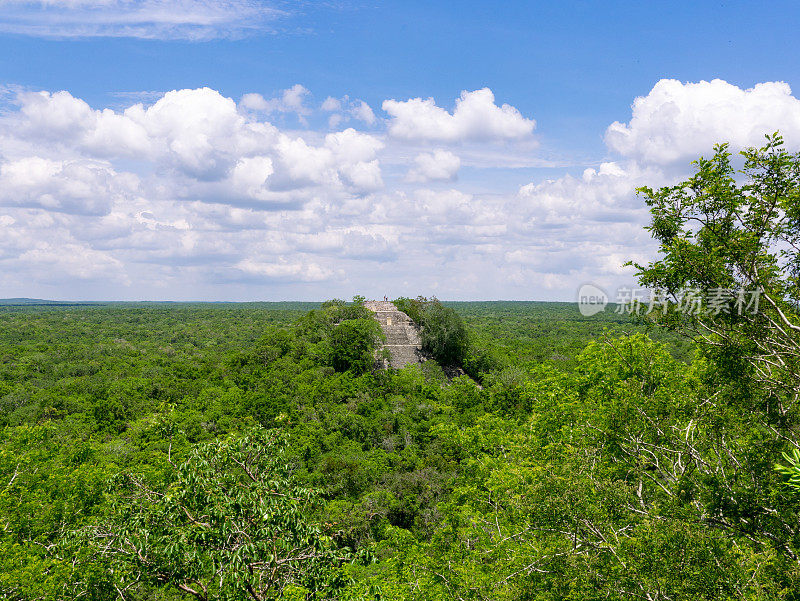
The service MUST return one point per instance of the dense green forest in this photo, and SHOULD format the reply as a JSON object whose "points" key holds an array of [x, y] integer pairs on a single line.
{"points": [[253, 451], [92, 392]]}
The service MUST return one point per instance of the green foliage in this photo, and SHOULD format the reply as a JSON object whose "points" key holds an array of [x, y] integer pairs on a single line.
{"points": [[615, 470], [523, 334], [353, 343], [345, 336], [792, 470], [232, 524], [335, 311], [609, 490], [413, 307], [46, 490], [443, 334], [592, 461], [718, 233]]}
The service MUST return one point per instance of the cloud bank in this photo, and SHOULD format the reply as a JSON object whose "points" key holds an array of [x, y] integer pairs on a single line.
{"points": [[200, 196]]}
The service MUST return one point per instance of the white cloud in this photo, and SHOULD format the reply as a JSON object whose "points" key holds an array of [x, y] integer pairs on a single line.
{"points": [[605, 194], [195, 20], [154, 195], [250, 175], [476, 117], [284, 270], [580, 229], [441, 165], [197, 131], [363, 112], [195, 196], [291, 100], [201, 131], [346, 157], [344, 110], [677, 122], [61, 263], [362, 176], [256, 102], [79, 186], [204, 138], [352, 146], [331, 104]]}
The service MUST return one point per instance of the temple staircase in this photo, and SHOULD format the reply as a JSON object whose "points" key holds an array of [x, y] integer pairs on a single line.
{"points": [[402, 336]]}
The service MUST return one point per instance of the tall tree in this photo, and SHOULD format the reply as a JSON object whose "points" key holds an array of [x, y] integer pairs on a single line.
{"points": [[729, 273]]}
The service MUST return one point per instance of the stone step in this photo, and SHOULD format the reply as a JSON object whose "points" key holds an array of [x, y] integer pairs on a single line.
{"points": [[402, 337], [404, 355]]}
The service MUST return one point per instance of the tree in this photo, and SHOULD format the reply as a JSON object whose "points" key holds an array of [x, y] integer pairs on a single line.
{"points": [[725, 242], [595, 495], [353, 343], [233, 524], [443, 333], [734, 245], [413, 307]]}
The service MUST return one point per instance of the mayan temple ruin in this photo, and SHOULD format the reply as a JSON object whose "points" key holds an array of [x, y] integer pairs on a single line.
{"points": [[402, 335]]}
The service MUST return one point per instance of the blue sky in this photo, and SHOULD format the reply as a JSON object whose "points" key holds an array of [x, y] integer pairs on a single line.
{"points": [[493, 203], [576, 65]]}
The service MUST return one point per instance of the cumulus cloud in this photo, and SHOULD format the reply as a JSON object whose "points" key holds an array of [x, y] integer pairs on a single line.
{"points": [[195, 20], [331, 104], [589, 226], [291, 100], [202, 135], [679, 121], [197, 131], [79, 186], [197, 196], [192, 180], [363, 112], [344, 110], [440, 165], [347, 157], [475, 117], [603, 194]]}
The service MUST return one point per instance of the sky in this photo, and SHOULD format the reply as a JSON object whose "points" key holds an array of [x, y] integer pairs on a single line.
{"points": [[243, 150]]}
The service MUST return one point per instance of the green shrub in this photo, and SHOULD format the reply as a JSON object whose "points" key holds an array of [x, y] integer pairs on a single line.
{"points": [[444, 335], [353, 343]]}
